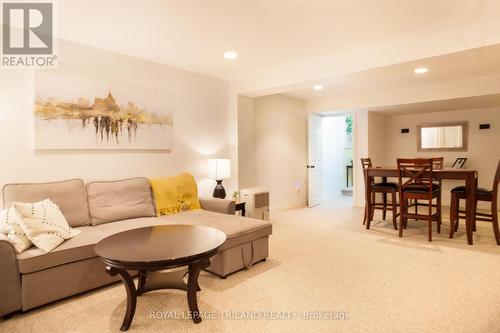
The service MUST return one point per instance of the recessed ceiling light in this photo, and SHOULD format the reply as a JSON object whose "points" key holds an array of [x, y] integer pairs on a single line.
{"points": [[421, 70], [318, 87], [231, 55]]}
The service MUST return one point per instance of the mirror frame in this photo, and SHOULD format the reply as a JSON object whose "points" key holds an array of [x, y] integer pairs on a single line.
{"points": [[465, 135]]}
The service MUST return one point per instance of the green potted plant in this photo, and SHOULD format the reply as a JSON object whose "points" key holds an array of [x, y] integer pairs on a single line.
{"points": [[348, 131]]}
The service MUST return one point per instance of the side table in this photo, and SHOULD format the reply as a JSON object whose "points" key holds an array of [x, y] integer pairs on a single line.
{"points": [[240, 206]]}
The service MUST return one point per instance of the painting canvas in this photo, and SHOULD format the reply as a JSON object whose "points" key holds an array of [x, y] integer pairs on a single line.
{"points": [[73, 111]]}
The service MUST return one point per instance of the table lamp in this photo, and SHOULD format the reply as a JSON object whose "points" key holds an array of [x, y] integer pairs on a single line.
{"points": [[219, 169]]}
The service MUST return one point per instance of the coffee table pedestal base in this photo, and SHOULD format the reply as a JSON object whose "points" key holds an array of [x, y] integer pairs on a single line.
{"points": [[155, 280]]}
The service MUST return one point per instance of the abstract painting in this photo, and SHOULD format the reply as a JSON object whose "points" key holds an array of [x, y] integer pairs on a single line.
{"points": [[73, 111]]}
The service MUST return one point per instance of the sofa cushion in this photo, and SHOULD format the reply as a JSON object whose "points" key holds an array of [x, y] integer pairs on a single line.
{"points": [[119, 226], [44, 224], [10, 227], [238, 229], [69, 195], [74, 249], [111, 201]]}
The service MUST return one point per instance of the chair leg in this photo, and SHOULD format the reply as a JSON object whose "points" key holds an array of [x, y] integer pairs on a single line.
{"points": [[384, 201], [430, 231], [452, 215], [474, 209], [372, 212], [407, 207], [402, 214], [474, 222], [394, 210], [440, 221], [457, 208], [494, 221], [429, 217], [364, 216], [416, 206]]}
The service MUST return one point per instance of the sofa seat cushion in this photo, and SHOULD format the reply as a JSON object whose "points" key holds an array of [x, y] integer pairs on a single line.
{"points": [[115, 227], [78, 248], [111, 201], [238, 229]]}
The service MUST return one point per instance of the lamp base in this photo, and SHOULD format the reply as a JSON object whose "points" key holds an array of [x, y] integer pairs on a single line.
{"points": [[219, 191]]}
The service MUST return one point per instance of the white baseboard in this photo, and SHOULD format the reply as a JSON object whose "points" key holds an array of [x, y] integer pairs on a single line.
{"points": [[288, 206]]}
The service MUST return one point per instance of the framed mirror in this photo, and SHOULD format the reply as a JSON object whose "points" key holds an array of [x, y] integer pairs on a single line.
{"points": [[442, 136]]}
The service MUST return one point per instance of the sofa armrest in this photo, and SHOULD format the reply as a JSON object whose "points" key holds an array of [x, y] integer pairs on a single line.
{"points": [[10, 292], [218, 205]]}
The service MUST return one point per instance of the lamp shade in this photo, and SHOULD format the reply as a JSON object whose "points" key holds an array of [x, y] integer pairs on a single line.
{"points": [[219, 168]]}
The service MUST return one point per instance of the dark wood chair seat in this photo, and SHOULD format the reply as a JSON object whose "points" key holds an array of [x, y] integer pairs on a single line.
{"points": [[421, 189], [480, 192], [385, 185], [462, 189]]}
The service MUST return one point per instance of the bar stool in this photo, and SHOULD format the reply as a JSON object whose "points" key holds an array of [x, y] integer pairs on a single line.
{"points": [[418, 185], [383, 187], [481, 195]]}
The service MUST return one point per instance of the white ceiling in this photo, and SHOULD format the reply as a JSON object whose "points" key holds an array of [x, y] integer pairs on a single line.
{"points": [[480, 62], [464, 103], [267, 34]]}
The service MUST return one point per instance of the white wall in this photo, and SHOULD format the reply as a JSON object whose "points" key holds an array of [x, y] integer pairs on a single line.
{"points": [[376, 137], [483, 145], [246, 152], [202, 128], [280, 136]]}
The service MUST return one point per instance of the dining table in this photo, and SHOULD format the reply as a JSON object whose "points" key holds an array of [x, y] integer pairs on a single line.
{"points": [[469, 176]]}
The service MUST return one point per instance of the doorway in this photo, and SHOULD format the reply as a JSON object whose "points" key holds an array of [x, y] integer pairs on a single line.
{"points": [[330, 166]]}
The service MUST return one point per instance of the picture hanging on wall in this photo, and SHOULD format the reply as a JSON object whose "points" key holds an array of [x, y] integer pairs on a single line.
{"points": [[73, 111]]}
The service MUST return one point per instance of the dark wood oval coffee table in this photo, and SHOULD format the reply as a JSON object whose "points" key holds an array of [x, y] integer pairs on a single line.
{"points": [[152, 249]]}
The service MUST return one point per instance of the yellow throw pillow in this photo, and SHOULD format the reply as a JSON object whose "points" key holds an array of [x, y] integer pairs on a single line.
{"points": [[175, 194]]}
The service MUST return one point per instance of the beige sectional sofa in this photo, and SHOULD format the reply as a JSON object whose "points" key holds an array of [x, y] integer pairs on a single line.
{"points": [[100, 209]]}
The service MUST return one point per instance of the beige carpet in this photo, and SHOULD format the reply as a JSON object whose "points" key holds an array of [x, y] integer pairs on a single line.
{"points": [[322, 260]]}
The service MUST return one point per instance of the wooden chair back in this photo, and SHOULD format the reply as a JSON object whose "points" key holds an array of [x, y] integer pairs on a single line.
{"points": [[437, 163], [366, 163], [415, 172], [496, 181]]}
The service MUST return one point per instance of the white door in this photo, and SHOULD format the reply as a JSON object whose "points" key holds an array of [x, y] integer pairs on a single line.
{"points": [[314, 161]]}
